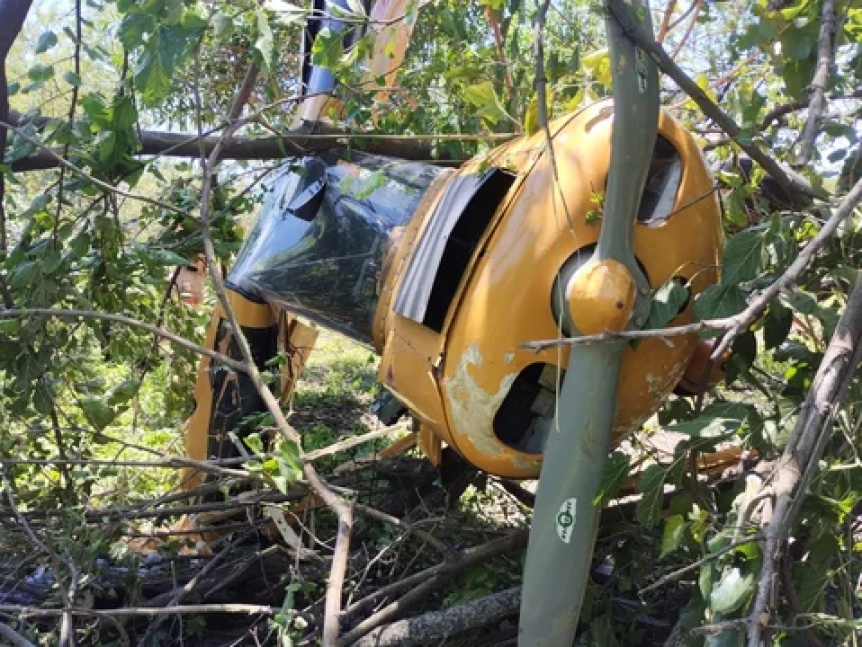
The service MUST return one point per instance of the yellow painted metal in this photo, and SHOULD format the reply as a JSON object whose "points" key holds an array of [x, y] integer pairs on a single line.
{"points": [[602, 297], [407, 367], [431, 445], [296, 340], [455, 381]]}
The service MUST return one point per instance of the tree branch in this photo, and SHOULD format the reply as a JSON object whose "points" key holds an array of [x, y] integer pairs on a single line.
{"points": [[141, 612], [799, 462], [791, 184], [816, 107], [436, 627], [15, 639], [309, 139], [333, 501]]}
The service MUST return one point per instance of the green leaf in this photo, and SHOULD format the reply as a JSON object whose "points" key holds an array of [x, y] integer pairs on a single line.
{"points": [[72, 79], [51, 261], [223, 26], [733, 590], [162, 257], [598, 66], [288, 451], [134, 28], [671, 538], [163, 51], [328, 48], [106, 144], [287, 12], [97, 412], [9, 326], [531, 114], [47, 40], [80, 244], [173, 11], [742, 357], [23, 275], [667, 302], [796, 45], [719, 301], [614, 473], [40, 73], [254, 442], [718, 419], [743, 257], [705, 580], [263, 42], [484, 97], [797, 76], [42, 400], [651, 486], [777, 324], [124, 391], [123, 113]]}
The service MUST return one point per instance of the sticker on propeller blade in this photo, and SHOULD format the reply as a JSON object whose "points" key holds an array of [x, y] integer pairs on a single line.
{"points": [[566, 519], [641, 70]]}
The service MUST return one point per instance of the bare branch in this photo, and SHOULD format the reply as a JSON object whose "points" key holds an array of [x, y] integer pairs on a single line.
{"points": [[799, 462], [141, 612], [336, 503], [351, 441], [437, 627], [302, 141], [15, 639], [825, 57], [677, 574]]}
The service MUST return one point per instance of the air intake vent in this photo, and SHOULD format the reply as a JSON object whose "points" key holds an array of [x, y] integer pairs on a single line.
{"points": [[447, 245]]}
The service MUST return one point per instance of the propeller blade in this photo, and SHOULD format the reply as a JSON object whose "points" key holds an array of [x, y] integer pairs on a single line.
{"points": [[565, 520]]}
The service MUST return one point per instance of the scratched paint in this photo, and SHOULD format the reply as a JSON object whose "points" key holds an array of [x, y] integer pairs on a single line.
{"points": [[472, 408]]}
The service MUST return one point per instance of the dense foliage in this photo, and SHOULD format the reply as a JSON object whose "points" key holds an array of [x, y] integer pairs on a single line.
{"points": [[86, 79]]}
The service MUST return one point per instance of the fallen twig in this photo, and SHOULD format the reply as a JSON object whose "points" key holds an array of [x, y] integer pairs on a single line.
{"points": [[15, 639], [351, 441], [423, 583], [436, 627]]}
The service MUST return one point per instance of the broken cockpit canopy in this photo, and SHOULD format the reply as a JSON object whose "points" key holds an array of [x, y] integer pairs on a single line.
{"points": [[323, 230]]}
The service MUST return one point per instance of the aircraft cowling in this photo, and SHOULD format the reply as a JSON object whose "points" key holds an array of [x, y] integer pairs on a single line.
{"points": [[447, 273]]}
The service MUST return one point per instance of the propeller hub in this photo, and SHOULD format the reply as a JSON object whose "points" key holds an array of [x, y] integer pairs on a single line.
{"points": [[601, 297]]}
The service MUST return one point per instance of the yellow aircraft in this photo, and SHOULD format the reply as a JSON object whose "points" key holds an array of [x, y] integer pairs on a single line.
{"points": [[448, 273]]}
